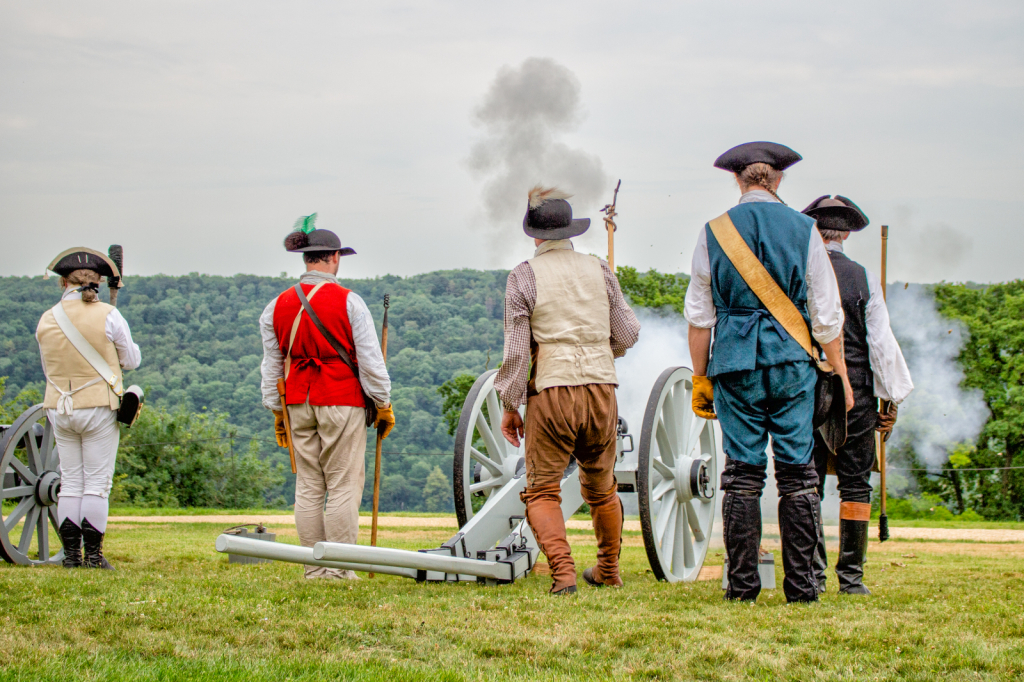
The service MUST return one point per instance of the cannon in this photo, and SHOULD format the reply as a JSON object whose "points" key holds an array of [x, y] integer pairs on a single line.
{"points": [[29, 484], [673, 470]]}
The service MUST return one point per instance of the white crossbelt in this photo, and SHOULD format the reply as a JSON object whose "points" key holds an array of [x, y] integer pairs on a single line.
{"points": [[65, 404]]}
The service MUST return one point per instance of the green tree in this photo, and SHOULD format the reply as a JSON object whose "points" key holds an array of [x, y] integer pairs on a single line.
{"points": [[993, 361], [11, 408], [437, 492], [454, 392], [177, 458], [653, 289]]}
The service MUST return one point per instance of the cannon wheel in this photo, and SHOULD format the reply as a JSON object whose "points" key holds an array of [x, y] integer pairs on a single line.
{"points": [[484, 460], [29, 483], [676, 477]]}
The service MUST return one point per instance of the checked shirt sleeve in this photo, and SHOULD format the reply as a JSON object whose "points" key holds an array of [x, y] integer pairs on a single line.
{"points": [[514, 374]]}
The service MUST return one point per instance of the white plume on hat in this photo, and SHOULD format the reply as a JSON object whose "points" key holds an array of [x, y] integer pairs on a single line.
{"points": [[540, 195]]}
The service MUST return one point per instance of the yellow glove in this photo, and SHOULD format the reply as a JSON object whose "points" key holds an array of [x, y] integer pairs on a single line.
{"points": [[279, 430], [385, 421], [703, 398]]}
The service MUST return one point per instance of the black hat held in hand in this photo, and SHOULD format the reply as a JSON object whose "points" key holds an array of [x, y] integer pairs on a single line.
{"points": [[549, 215], [778, 156], [306, 237], [838, 214]]}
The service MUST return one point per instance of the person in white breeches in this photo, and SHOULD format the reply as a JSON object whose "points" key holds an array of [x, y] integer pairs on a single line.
{"points": [[81, 405]]}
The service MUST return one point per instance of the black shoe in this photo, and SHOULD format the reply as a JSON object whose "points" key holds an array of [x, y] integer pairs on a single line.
{"points": [[853, 547], [93, 541], [565, 591], [71, 538]]}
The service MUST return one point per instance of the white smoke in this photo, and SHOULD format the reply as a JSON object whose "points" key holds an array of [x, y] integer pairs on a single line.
{"points": [[939, 413], [525, 112]]}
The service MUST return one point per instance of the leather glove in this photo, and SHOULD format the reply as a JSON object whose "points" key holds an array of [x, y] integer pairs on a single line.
{"points": [[385, 421], [886, 420], [704, 397], [279, 431]]}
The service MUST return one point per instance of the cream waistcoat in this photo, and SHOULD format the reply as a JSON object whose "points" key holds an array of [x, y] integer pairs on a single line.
{"points": [[66, 367], [570, 320]]}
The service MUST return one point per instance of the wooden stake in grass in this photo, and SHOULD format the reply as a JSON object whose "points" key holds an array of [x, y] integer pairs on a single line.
{"points": [[380, 439], [883, 519]]}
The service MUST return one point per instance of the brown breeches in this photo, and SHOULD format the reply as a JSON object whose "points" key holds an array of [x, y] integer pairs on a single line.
{"points": [[565, 422]]}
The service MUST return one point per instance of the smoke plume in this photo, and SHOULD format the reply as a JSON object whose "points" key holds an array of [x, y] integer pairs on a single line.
{"points": [[939, 413], [524, 114]]}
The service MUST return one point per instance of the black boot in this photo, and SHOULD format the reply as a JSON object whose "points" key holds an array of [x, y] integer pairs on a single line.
{"points": [[853, 547], [820, 554], [799, 518], [741, 532], [71, 538], [93, 541], [741, 527]]}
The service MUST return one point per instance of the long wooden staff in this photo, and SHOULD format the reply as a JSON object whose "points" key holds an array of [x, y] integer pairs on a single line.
{"points": [[609, 224], [380, 439], [883, 519]]}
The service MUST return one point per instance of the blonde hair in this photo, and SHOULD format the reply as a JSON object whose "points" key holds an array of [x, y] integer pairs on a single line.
{"points": [[761, 175], [80, 278]]}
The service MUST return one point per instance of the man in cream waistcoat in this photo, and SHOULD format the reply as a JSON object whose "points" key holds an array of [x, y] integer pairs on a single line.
{"points": [[82, 405], [564, 311]]}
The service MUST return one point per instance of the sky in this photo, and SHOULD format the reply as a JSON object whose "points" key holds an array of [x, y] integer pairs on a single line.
{"points": [[195, 133]]}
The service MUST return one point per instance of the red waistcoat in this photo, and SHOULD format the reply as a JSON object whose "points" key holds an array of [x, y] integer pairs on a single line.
{"points": [[317, 370]]}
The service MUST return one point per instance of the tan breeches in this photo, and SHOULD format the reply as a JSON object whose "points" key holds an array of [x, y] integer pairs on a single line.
{"points": [[329, 443]]}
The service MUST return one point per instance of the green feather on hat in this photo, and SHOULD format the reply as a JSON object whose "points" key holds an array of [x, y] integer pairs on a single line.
{"points": [[305, 224]]}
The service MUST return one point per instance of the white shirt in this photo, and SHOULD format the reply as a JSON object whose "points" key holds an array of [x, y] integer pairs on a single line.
{"points": [[824, 306], [116, 328], [373, 375], [892, 376]]}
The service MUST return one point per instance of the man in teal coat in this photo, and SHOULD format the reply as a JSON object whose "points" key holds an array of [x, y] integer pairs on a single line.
{"points": [[756, 379]]}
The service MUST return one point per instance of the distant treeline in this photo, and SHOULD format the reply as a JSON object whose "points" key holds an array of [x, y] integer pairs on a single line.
{"points": [[201, 356]]}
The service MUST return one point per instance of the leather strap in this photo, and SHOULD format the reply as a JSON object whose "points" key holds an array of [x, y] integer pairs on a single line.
{"points": [[855, 511], [335, 344], [82, 345], [295, 329], [764, 287]]}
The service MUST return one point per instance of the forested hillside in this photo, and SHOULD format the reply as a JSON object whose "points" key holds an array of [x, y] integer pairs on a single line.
{"points": [[201, 350], [205, 439]]}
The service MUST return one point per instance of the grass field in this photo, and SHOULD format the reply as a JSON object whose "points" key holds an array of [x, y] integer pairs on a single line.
{"points": [[176, 610]]}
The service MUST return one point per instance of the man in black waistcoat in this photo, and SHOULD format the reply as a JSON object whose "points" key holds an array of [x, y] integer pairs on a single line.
{"points": [[877, 370]]}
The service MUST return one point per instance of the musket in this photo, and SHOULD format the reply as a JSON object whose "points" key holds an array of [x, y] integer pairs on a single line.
{"points": [[380, 439], [116, 254], [609, 224], [883, 519]]}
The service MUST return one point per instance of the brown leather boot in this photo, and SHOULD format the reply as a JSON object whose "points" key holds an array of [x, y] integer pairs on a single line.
{"points": [[607, 519], [544, 515]]}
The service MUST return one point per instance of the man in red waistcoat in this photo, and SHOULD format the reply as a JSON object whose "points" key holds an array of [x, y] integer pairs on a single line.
{"points": [[326, 399]]}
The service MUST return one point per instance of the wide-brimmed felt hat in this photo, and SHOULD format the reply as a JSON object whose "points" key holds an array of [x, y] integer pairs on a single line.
{"points": [[307, 237], [549, 215], [838, 213], [82, 258], [778, 156]]}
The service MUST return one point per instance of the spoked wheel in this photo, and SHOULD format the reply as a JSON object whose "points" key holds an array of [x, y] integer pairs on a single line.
{"points": [[29, 483], [676, 477], [484, 460]]}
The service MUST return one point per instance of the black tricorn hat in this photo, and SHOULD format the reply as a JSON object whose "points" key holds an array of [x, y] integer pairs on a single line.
{"points": [[837, 213], [82, 258], [306, 237], [549, 215], [778, 156]]}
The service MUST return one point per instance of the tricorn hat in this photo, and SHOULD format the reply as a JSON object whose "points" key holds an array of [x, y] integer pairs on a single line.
{"points": [[306, 237], [837, 213], [549, 215], [778, 156], [82, 258]]}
